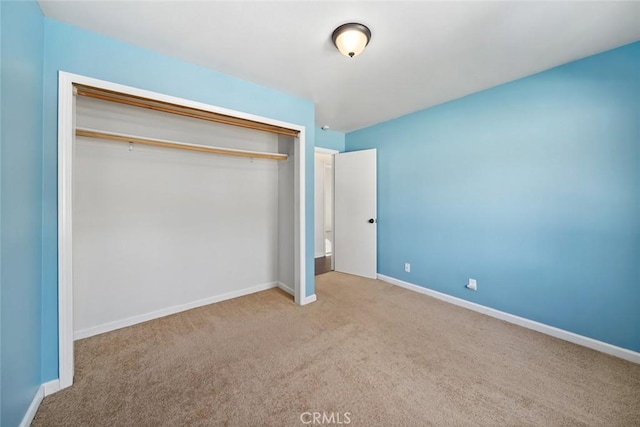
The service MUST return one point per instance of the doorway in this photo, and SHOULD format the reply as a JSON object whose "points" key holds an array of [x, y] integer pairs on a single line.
{"points": [[323, 231], [345, 230]]}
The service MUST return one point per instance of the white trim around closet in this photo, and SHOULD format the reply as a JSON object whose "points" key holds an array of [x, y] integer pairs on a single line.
{"points": [[66, 132]]}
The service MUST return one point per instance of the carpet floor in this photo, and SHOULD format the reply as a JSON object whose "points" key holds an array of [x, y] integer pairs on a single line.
{"points": [[366, 354]]}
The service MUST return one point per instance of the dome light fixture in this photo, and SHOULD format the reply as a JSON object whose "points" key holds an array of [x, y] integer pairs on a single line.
{"points": [[351, 38]]}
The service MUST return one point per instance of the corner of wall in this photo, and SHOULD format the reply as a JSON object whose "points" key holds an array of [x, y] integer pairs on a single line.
{"points": [[330, 139]]}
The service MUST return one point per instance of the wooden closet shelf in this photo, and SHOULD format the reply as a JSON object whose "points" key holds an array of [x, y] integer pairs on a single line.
{"points": [[90, 133], [167, 107]]}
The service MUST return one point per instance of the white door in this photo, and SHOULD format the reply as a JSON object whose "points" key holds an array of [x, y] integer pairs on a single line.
{"points": [[355, 210]]}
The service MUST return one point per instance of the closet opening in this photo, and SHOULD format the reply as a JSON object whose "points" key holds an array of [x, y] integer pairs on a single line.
{"points": [[167, 204]]}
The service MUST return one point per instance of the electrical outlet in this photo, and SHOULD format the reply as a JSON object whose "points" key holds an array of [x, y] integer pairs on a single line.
{"points": [[473, 285], [407, 267]]}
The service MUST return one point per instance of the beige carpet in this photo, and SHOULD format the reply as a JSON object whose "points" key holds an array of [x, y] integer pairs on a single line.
{"points": [[367, 352]]}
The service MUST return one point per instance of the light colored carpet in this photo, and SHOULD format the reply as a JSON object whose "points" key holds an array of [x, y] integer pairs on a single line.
{"points": [[366, 352]]}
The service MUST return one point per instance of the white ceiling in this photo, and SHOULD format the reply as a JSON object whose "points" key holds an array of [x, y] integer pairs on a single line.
{"points": [[421, 53]]}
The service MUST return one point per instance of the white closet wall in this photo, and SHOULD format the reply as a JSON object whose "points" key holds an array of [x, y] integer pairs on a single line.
{"points": [[157, 228], [286, 225]]}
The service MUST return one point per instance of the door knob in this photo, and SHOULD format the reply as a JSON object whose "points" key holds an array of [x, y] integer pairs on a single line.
{"points": [[371, 221]]}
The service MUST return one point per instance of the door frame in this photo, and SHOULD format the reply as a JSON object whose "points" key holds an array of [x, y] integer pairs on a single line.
{"points": [[66, 138], [322, 150]]}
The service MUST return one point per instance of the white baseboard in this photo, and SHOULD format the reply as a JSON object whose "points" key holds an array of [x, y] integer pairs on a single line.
{"points": [[286, 288], [591, 343], [112, 326], [51, 387], [33, 408], [309, 299]]}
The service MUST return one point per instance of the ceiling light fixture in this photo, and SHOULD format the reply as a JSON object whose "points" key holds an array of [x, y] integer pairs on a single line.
{"points": [[351, 38]]}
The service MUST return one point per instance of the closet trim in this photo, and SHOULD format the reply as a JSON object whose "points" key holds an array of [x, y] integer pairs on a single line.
{"points": [[66, 140]]}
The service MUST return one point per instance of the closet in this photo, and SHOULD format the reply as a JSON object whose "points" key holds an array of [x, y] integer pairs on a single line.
{"points": [[175, 208]]}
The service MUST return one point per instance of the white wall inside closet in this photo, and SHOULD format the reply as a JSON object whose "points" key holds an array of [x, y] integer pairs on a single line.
{"points": [[156, 229], [286, 215]]}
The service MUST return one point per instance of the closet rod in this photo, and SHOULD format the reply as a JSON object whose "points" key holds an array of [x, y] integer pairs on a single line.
{"points": [[181, 110], [180, 145]]}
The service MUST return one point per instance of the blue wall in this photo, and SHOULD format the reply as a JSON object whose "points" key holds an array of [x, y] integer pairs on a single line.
{"points": [[21, 206], [330, 139], [532, 188], [74, 50]]}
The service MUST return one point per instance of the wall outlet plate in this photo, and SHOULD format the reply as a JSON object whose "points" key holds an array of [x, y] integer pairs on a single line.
{"points": [[473, 285], [407, 267]]}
